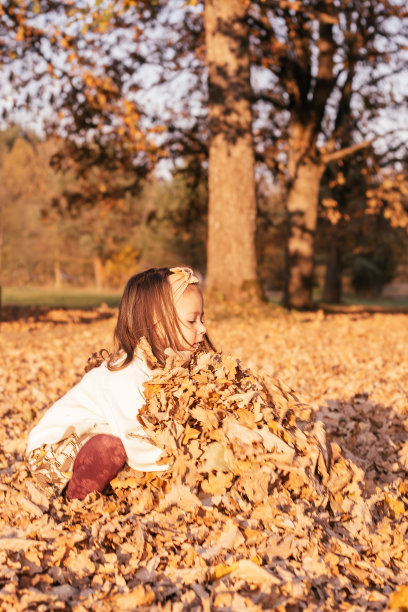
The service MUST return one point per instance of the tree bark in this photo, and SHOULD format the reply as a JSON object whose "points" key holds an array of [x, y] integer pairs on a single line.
{"points": [[57, 269], [1, 249], [2, 199], [332, 284], [231, 256], [302, 204], [99, 272]]}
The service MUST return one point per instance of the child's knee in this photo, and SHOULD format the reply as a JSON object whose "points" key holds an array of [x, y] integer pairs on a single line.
{"points": [[102, 449], [98, 461]]}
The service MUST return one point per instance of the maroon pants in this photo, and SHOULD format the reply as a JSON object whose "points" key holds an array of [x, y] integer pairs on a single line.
{"points": [[98, 461]]}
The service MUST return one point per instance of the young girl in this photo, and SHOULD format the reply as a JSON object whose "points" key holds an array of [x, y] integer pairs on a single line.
{"points": [[88, 435]]}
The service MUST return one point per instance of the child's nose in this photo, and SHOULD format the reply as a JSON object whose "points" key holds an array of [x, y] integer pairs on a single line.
{"points": [[202, 328]]}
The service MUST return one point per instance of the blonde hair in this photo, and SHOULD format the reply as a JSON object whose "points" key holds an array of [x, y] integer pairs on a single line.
{"points": [[146, 310]]}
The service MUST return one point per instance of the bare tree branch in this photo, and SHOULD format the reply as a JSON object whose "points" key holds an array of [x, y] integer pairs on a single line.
{"points": [[342, 153]]}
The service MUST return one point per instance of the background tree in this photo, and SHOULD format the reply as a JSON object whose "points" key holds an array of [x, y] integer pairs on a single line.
{"points": [[232, 207], [325, 61], [363, 223], [99, 106], [82, 62], [130, 85]]}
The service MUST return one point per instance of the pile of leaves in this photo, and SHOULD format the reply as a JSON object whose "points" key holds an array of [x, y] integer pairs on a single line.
{"points": [[259, 509], [291, 510]]}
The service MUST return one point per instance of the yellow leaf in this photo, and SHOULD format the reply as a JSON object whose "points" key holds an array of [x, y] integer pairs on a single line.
{"points": [[222, 570], [139, 596], [213, 458], [247, 570], [20, 34], [190, 434], [399, 599], [273, 426], [395, 505], [230, 364], [257, 560], [403, 488], [151, 390], [127, 483], [246, 417], [217, 483], [80, 563]]}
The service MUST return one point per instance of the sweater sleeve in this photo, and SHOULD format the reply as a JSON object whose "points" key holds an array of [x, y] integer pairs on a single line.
{"points": [[79, 408]]}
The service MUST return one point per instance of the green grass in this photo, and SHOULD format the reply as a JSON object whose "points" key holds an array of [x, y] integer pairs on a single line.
{"points": [[399, 302], [70, 297], [67, 297], [350, 299]]}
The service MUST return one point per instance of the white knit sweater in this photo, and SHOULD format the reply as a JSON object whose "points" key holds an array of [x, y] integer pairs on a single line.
{"points": [[107, 401]]}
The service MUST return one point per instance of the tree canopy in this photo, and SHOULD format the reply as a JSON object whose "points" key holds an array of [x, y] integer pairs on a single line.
{"points": [[128, 84]]}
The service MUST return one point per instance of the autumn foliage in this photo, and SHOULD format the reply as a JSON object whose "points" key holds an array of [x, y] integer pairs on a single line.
{"points": [[294, 87], [276, 498]]}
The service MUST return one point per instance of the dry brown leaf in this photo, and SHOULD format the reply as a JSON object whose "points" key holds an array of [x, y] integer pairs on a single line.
{"points": [[139, 596]]}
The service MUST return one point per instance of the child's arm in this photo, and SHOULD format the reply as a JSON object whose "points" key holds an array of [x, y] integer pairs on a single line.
{"points": [[79, 409]]}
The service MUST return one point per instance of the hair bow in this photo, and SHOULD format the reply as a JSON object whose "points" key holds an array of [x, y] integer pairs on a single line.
{"points": [[180, 279]]}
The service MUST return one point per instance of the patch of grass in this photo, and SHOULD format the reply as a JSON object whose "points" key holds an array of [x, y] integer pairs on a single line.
{"points": [[352, 299], [66, 297], [71, 297], [380, 301]]}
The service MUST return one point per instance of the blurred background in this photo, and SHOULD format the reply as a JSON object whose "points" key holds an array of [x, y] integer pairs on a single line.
{"points": [[108, 125]]}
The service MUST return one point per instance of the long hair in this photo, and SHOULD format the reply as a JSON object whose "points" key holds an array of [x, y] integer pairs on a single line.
{"points": [[146, 310]]}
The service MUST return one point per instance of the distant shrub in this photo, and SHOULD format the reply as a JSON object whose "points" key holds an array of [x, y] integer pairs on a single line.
{"points": [[371, 271]]}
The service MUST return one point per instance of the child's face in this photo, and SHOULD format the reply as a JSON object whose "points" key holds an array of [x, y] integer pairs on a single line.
{"points": [[189, 309]]}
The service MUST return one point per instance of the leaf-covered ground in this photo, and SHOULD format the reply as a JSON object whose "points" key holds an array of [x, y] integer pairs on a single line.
{"points": [[264, 507]]}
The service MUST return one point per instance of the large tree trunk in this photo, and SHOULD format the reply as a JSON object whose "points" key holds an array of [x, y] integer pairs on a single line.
{"points": [[332, 284], [302, 203], [99, 272], [231, 259], [57, 269], [2, 198]]}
